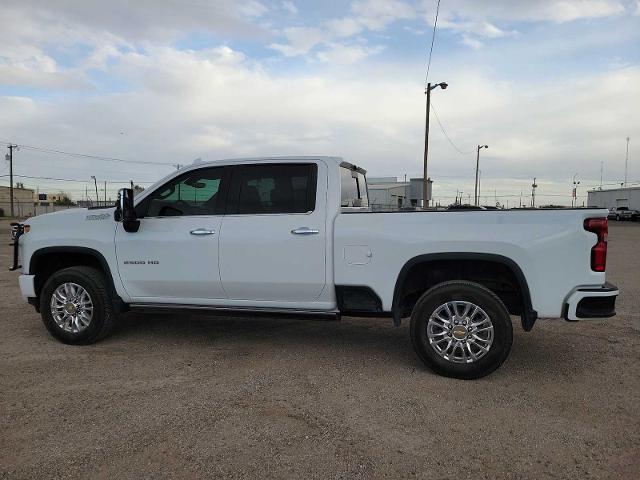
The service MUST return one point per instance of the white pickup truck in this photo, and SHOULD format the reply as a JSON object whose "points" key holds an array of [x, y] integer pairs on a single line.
{"points": [[282, 236]]}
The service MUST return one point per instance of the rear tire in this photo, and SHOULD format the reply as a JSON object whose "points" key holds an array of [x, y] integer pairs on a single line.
{"points": [[470, 321], [76, 307]]}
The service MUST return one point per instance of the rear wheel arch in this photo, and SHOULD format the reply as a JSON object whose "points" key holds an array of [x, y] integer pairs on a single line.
{"points": [[404, 297]]}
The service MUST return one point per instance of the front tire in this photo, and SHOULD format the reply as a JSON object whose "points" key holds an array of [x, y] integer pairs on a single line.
{"points": [[461, 329], [75, 306]]}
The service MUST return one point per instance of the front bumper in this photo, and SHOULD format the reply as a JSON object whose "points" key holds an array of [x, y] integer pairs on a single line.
{"points": [[591, 302]]}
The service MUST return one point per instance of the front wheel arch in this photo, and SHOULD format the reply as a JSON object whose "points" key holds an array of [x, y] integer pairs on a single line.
{"points": [[46, 261]]}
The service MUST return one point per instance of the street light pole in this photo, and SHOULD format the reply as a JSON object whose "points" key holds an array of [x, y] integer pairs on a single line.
{"points": [[477, 167], [574, 194], [626, 163], [533, 193], [425, 175]]}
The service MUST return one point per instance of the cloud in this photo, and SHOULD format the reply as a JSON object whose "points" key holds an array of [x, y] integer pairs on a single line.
{"points": [[558, 11], [227, 101], [472, 42], [251, 9], [342, 54], [217, 103], [365, 15], [377, 14], [475, 20], [300, 40], [344, 27], [290, 7], [480, 28], [123, 21]]}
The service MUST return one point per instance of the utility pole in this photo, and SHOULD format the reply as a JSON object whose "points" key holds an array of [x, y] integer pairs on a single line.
{"points": [[105, 191], [9, 157], [95, 182], [425, 176], [131, 182], [425, 179], [533, 193], [477, 167], [574, 193], [601, 166], [626, 163]]}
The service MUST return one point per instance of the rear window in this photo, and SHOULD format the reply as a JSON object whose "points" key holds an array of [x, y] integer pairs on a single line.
{"points": [[353, 189]]}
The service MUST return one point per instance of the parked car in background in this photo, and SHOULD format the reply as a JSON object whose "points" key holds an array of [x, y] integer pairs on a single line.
{"points": [[623, 213]]}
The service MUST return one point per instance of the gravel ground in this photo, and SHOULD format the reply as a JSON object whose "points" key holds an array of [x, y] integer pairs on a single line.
{"points": [[186, 396]]}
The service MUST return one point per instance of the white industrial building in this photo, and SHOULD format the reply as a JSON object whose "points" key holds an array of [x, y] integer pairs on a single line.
{"points": [[615, 197], [389, 193]]}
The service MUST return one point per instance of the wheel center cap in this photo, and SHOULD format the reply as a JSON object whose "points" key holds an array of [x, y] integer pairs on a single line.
{"points": [[70, 308], [459, 332]]}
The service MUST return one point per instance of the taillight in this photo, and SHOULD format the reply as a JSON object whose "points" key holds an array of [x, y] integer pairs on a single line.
{"points": [[600, 227]]}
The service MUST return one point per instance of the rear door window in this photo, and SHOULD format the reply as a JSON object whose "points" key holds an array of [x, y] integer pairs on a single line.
{"points": [[274, 188]]}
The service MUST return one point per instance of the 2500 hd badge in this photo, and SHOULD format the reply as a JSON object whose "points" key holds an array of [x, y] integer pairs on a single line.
{"points": [[141, 262]]}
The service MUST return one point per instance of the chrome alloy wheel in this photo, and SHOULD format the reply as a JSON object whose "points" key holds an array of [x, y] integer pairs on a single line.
{"points": [[71, 307], [460, 331]]}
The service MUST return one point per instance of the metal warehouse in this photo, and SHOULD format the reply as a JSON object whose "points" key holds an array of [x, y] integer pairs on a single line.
{"points": [[615, 197], [389, 193]]}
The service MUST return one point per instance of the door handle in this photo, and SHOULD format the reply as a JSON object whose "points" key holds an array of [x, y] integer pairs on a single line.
{"points": [[305, 231], [202, 231]]}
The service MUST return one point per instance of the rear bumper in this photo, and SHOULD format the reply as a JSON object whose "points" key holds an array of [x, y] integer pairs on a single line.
{"points": [[591, 302], [27, 286]]}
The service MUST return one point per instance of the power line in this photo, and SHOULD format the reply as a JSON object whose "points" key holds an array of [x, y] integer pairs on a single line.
{"points": [[433, 38], [445, 133], [72, 179], [85, 155]]}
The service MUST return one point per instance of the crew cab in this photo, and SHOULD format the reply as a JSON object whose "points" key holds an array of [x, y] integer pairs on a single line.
{"points": [[294, 236]]}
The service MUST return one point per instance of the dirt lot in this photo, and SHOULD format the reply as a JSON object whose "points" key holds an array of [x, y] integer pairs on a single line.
{"points": [[200, 397]]}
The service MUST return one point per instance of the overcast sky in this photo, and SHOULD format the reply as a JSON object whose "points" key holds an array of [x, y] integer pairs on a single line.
{"points": [[553, 87]]}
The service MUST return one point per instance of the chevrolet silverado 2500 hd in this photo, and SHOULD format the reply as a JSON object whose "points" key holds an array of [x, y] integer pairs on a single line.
{"points": [[294, 236]]}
